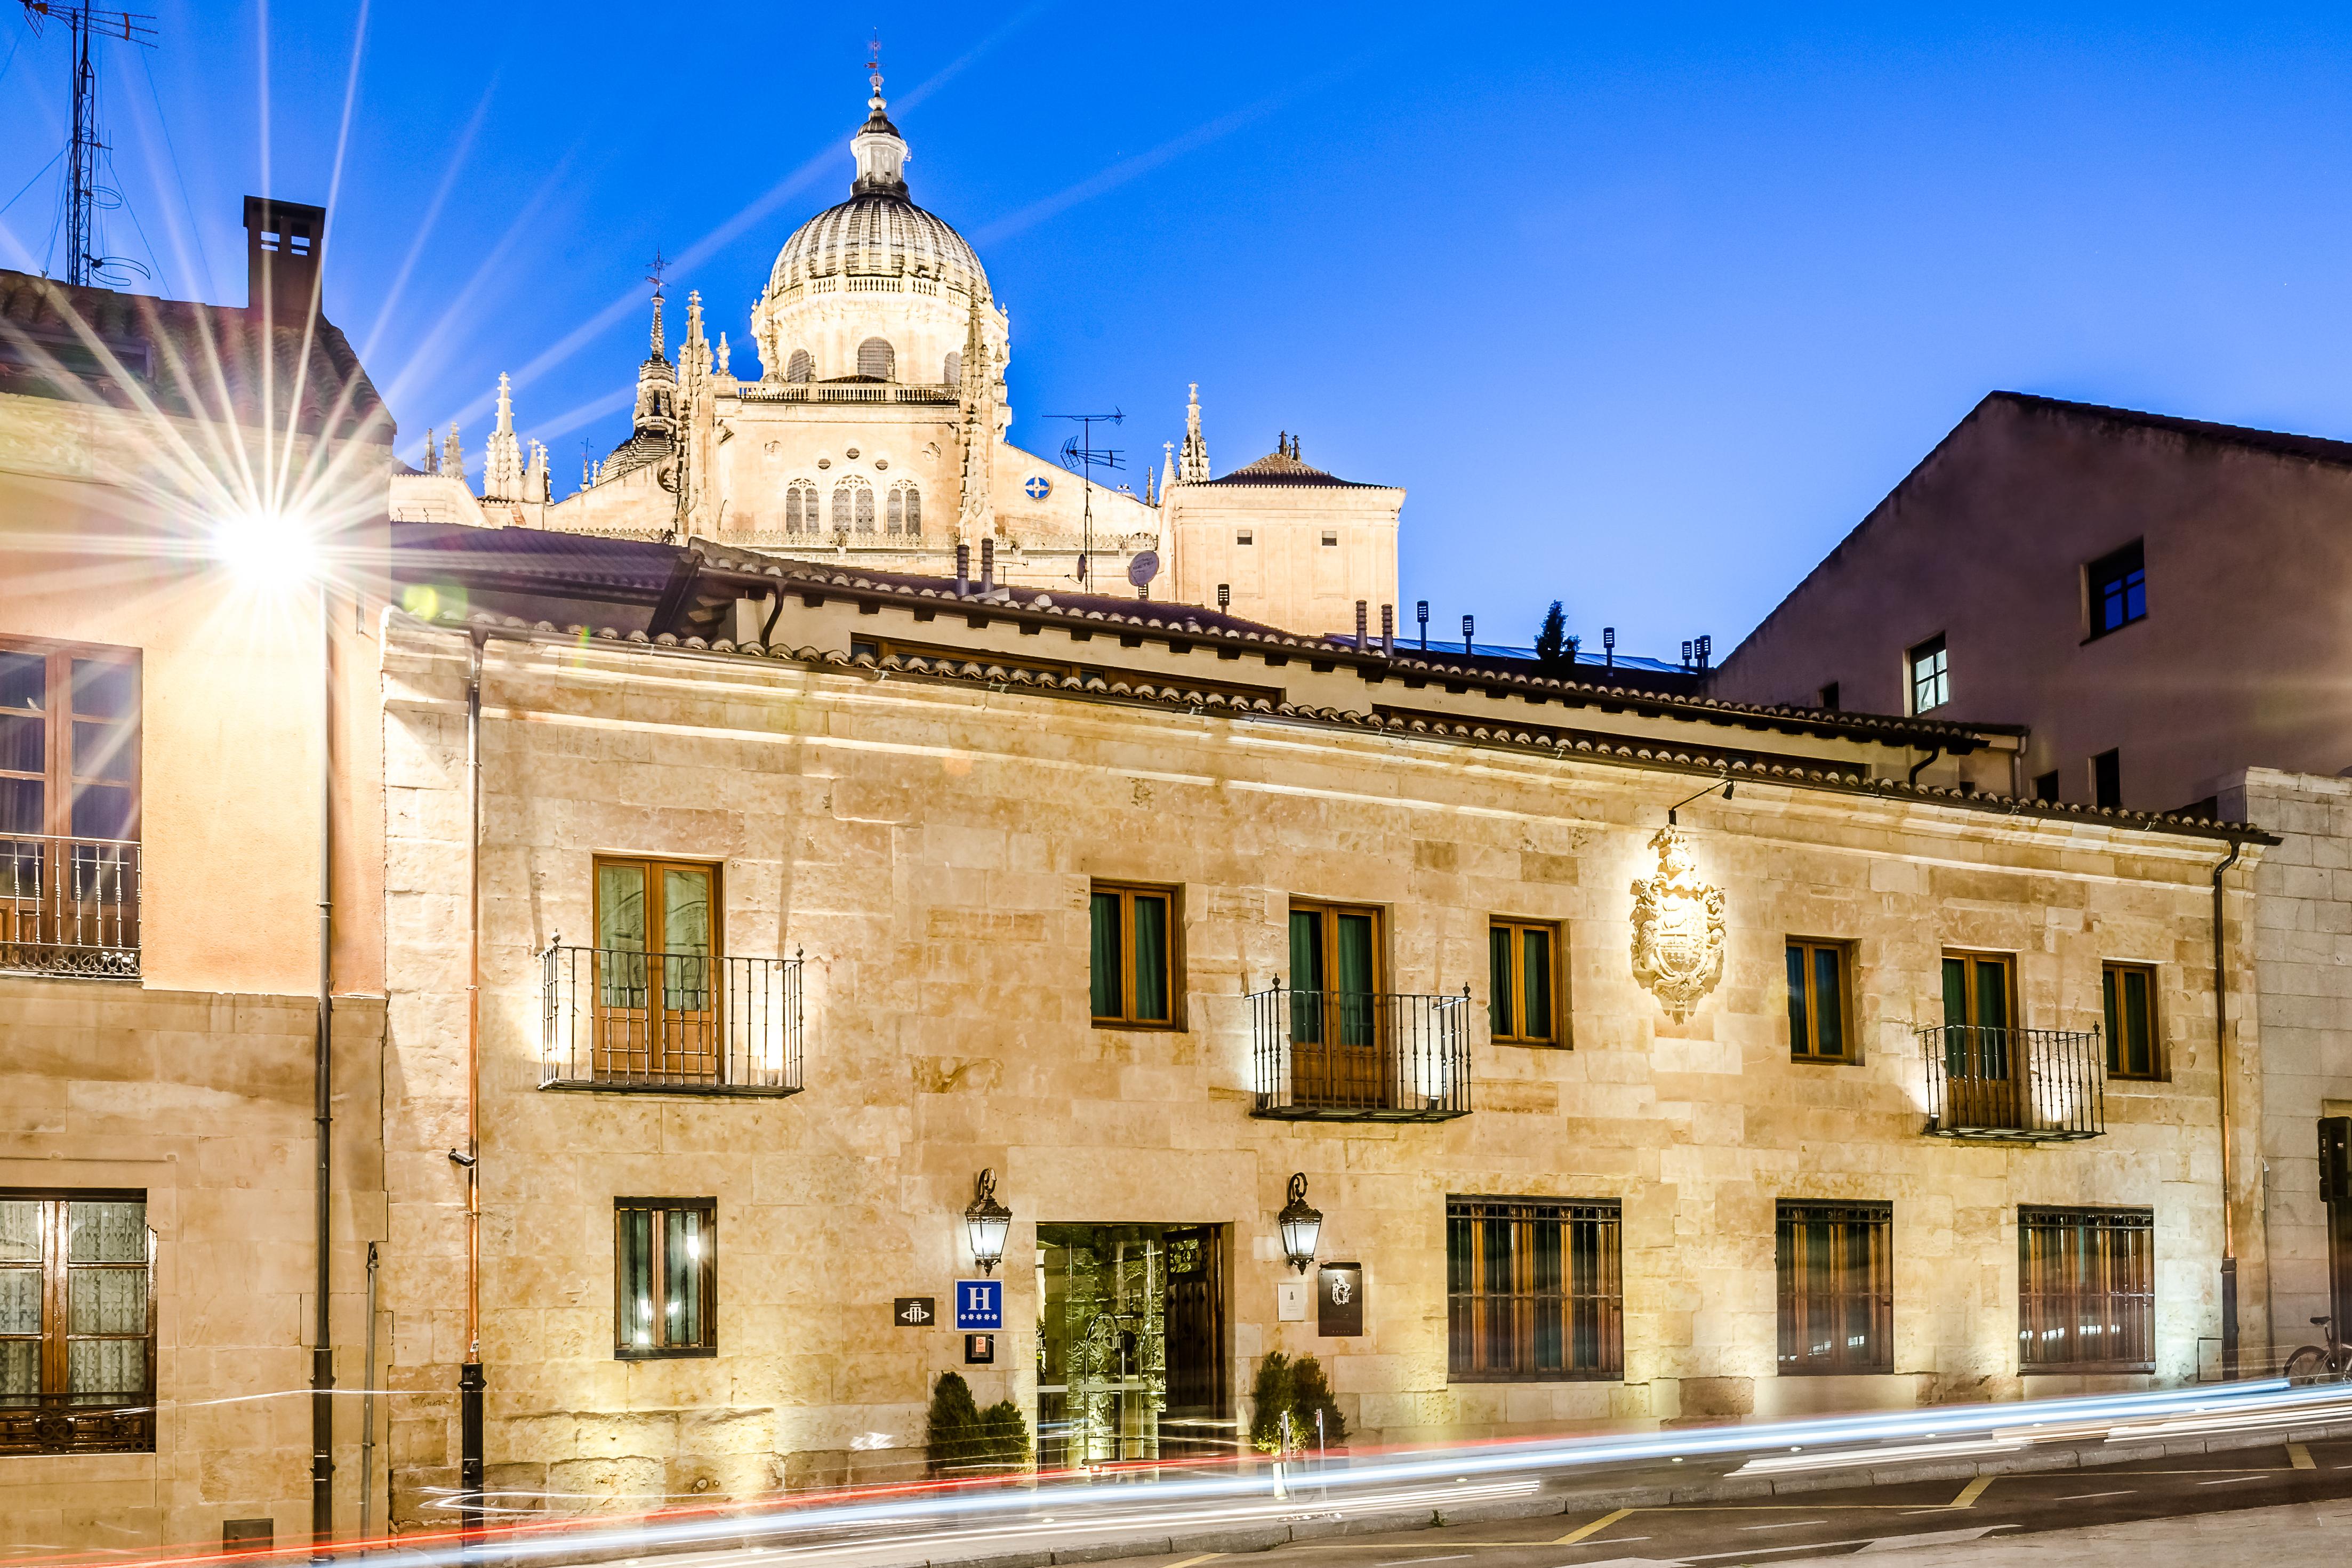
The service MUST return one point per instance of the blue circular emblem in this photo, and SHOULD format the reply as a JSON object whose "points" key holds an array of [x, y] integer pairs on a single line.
{"points": [[1038, 486]]}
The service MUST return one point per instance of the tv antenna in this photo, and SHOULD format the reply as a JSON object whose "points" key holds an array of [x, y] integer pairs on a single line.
{"points": [[85, 197], [1080, 455]]}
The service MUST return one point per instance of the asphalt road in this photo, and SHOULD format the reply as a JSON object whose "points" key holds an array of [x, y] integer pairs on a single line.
{"points": [[1964, 1518]]}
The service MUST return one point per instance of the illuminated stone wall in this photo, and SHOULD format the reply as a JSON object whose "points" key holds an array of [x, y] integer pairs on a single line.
{"points": [[930, 845]]}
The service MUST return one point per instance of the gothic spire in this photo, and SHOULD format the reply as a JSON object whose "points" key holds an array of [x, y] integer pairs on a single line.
{"points": [[1193, 468], [976, 507], [502, 476]]}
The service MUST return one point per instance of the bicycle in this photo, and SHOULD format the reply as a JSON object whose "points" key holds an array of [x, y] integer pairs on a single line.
{"points": [[2328, 1363]]}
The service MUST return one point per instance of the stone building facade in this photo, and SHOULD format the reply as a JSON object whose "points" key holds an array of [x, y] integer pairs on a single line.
{"points": [[168, 786], [919, 800]]}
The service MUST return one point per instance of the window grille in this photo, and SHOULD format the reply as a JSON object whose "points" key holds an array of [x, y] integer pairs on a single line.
{"points": [[665, 1278], [1837, 1287], [853, 507], [951, 373], [801, 368], [1535, 1290], [2086, 1290], [876, 358]]}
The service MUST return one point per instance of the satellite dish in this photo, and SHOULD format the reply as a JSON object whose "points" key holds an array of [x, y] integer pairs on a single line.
{"points": [[1143, 568]]}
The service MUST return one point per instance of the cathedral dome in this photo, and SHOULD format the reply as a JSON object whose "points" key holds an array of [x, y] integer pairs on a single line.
{"points": [[875, 234]]}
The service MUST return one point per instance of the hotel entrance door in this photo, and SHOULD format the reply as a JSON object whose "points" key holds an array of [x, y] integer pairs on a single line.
{"points": [[1131, 1343]]}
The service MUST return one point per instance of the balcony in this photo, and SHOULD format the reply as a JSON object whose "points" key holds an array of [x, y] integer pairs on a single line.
{"points": [[74, 1424], [1359, 1056], [2031, 1085], [69, 906], [667, 1023]]}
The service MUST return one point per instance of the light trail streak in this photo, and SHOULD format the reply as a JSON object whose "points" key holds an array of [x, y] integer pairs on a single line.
{"points": [[1142, 1505]]}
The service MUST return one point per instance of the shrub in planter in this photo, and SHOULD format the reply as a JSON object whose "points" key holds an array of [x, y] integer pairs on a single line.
{"points": [[1299, 1388]]}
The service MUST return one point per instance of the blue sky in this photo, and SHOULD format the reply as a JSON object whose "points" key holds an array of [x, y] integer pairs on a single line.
{"points": [[1646, 307]]}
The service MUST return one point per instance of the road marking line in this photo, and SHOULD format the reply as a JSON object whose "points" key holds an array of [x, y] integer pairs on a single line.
{"points": [[1189, 1562], [1595, 1527], [2085, 1496], [2299, 1456], [1973, 1490], [1786, 1524]]}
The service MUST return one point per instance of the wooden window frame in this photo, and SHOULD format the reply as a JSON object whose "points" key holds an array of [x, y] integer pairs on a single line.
{"points": [[2110, 974], [1471, 1318], [1559, 1038], [2054, 1295], [1850, 1054], [658, 1051], [1126, 892], [1971, 957], [96, 1427], [1800, 1307], [1380, 916], [59, 776], [707, 1277]]}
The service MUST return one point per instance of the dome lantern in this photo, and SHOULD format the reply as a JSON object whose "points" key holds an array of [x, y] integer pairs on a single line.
{"points": [[880, 151]]}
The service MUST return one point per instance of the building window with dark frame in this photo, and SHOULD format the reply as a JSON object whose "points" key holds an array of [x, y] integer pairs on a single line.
{"points": [[1837, 1287], [1133, 955], [2107, 779], [76, 1322], [665, 1277], [2130, 996], [1828, 697], [2117, 587], [1523, 1005], [1820, 1018], [1534, 1291], [2086, 1290], [1929, 667]]}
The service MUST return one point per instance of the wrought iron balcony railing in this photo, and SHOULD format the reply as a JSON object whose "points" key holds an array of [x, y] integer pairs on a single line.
{"points": [[1361, 1056], [75, 1424], [669, 1022], [2016, 1083], [68, 906]]}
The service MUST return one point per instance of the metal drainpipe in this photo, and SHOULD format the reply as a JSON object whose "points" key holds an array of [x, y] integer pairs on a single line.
{"points": [[1923, 764], [2222, 1061], [471, 1376], [323, 1350], [367, 1400]]}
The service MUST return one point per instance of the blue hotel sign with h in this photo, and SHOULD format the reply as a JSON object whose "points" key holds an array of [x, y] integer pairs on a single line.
{"points": [[979, 1304]]}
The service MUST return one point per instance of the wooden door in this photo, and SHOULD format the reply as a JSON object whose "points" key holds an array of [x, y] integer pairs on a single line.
{"points": [[1980, 1061], [658, 1006], [1197, 1423], [1337, 1030]]}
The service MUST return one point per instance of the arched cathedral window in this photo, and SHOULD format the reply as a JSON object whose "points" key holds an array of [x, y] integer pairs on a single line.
{"points": [[953, 373], [800, 368], [876, 358], [800, 512], [906, 510], [853, 507]]}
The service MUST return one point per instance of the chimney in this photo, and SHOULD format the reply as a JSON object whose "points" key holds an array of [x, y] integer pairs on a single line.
{"points": [[1420, 613], [988, 566], [1469, 630], [1224, 596], [1388, 630], [963, 570], [1609, 644], [1360, 625], [282, 245]]}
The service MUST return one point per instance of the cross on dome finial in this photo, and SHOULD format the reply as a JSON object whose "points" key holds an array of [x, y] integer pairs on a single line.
{"points": [[874, 65]]}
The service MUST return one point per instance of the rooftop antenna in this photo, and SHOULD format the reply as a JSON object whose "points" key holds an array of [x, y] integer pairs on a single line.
{"points": [[1080, 455], [85, 197]]}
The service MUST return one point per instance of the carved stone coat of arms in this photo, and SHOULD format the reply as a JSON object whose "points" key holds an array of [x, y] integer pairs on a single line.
{"points": [[1677, 928]]}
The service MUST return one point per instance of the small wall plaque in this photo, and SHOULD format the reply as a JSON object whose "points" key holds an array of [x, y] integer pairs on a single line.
{"points": [[1290, 1301], [980, 1350], [1339, 1299], [915, 1311]]}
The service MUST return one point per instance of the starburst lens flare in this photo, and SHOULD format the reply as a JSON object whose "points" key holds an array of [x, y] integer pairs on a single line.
{"points": [[268, 549]]}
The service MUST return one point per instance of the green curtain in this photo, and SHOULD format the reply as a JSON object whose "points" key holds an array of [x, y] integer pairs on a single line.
{"points": [[1306, 977], [1535, 950], [1151, 958], [1829, 1001], [1499, 981], [1801, 1042], [1105, 949], [1355, 978]]}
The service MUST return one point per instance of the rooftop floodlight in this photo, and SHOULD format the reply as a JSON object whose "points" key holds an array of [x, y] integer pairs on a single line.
{"points": [[266, 547]]}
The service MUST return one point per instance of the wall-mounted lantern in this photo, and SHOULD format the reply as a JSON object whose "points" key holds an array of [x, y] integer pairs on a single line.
{"points": [[987, 1221], [1301, 1226]]}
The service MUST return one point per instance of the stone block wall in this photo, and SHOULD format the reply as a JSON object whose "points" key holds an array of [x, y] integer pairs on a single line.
{"points": [[203, 1102], [930, 846]]}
